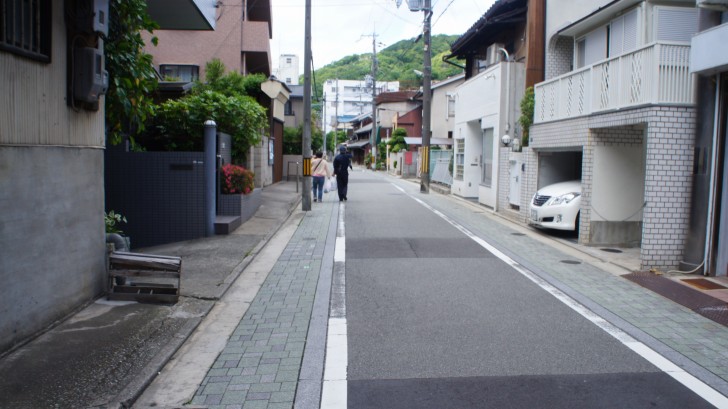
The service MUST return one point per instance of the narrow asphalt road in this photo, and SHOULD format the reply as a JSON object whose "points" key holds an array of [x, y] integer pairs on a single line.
{"points": [[435, 320]]}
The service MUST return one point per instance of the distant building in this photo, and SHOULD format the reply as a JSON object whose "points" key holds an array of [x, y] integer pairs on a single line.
{"points": [[288, 69], [350, 98]]}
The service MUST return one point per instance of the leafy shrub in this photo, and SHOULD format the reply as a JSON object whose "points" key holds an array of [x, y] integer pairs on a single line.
{"points": [[528, 104], [181, 121], [112, 221], [236, 179]]}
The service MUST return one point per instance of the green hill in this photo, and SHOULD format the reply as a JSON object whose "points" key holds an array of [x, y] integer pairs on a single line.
{"points": [[396, 63]]}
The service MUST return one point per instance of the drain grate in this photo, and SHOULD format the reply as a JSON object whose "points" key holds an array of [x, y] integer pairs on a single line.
{"points": [[517, 234], [608, 250], [570, 262], [703, 304], [703, 284]]}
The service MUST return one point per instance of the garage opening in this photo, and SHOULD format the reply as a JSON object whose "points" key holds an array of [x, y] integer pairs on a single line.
{"points": [[617, 186], [557, 206], [554, 167]]}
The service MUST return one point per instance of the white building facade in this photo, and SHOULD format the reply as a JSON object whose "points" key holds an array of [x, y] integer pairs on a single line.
{"points": [[346, 99], [288, 69], [616, 111]]}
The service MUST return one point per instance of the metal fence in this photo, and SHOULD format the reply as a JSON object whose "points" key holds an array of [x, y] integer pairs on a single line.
{"points": [[440, 166]]}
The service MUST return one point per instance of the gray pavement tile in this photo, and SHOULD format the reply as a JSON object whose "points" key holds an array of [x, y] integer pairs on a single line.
{"points": [[258, 396], [231, 397], [265, 387], [256, 404]]}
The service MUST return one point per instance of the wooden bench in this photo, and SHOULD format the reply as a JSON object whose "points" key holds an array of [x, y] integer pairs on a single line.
{"points": [[166, 271]]}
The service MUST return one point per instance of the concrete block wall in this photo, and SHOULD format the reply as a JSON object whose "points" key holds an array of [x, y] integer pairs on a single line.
{"points": [[668, 179], [52, 242]]}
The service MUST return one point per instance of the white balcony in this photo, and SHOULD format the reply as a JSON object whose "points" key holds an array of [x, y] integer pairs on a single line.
{"points": [[657, 74]]}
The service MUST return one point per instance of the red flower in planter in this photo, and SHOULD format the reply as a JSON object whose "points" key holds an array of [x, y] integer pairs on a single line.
{"points": [[236, 179]]}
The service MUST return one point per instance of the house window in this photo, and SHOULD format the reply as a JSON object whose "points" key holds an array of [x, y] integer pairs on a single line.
{"points": [[623, 33], [675, 23], [179, 73], [487, 175], [288, 110], [288, 80], [25, 28], [592, 47], [288, 60], [459, 159], [450, 106]]}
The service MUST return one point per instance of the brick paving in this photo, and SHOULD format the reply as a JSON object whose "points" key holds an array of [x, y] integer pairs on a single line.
{"points": [[260, 366]]}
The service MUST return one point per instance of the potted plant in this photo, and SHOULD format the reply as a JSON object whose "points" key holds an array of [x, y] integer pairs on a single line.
{"points": [[238, 194], [115, 238]]}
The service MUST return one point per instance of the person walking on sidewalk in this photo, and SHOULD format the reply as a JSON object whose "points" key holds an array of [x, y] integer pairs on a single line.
{"points": [[342, 164], [320, 173]]}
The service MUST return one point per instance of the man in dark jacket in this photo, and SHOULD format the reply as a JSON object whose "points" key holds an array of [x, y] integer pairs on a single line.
{"points": [[342, 164]]}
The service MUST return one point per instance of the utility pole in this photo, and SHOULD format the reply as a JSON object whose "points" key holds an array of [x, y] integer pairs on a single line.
{"points": [[426, 102], [373, 134], [323, 124], [306, 148]]}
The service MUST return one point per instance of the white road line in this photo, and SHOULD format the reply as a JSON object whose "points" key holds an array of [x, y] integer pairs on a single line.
{"points": [[334, 391], [696, 385]]}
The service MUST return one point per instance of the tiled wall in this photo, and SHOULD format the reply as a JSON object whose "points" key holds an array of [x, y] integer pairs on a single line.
{"points": [[559, 57], [670, 140]]}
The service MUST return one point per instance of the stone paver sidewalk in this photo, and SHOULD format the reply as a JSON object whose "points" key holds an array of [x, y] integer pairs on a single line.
{"points": [[260, 366]]}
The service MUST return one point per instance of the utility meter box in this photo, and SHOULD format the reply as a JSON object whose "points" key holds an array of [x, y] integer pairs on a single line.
{"points": [[90, 80], [92, 16]]}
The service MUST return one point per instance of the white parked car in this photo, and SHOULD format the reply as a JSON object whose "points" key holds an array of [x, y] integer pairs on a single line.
{"points": [[557, 206]]}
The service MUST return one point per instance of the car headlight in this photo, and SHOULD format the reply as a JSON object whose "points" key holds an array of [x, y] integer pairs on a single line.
{"points": [[563, 199]]}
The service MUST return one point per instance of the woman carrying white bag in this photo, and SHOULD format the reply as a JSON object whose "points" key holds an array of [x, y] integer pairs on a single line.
{"points": [[330, 185], [321, 173]]}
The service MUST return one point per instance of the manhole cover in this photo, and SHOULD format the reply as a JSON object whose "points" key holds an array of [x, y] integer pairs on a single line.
{"points": [[517, 234], [570, 262], [703, 284], [611, 250]]}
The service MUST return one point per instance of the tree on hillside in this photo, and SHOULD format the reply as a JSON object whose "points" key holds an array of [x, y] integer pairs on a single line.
{"points": [[396, 63]]}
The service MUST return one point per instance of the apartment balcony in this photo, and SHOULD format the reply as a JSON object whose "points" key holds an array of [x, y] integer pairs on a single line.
{"points": [[256, 47], [657, 74], [256, 36]]}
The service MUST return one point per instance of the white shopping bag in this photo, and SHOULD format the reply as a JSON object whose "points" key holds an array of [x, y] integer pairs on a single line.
{"points": [[330, 184]]}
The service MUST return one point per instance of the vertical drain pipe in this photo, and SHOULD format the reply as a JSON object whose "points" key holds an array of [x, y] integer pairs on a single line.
{"points": [[209, 176]]}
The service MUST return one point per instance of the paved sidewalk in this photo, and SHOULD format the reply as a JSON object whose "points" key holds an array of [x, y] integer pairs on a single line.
{"points": [[107, 353], [260, 366]]}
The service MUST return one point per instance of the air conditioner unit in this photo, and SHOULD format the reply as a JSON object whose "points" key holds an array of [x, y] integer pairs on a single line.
{"points": [[713, 4], [416, 5], [493, 54]]}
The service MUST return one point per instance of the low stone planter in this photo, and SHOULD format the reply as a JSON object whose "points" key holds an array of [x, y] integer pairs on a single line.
{"points": [[244, 206]]}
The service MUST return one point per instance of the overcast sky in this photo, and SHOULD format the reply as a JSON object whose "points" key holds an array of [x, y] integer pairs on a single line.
{"points": [[344, 27]]}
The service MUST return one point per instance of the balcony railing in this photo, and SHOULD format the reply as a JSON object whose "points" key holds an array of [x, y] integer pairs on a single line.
{"points": [[658, 73]]}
